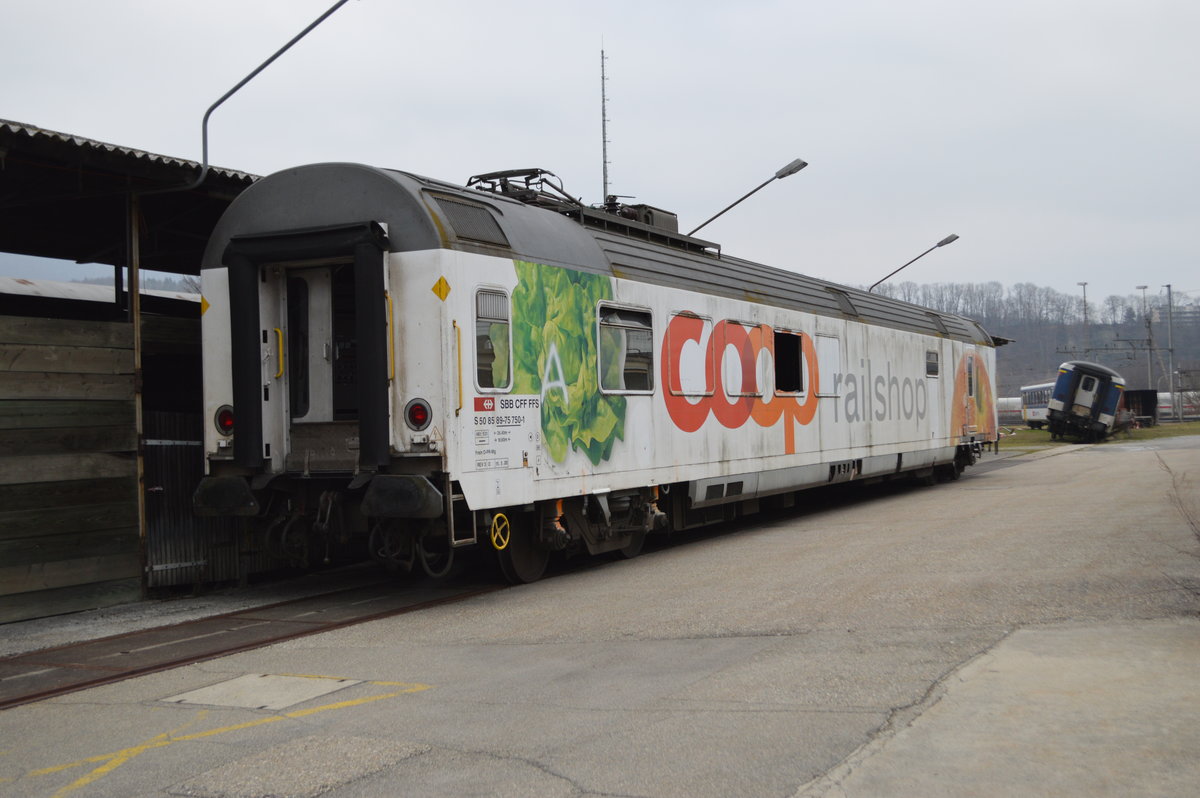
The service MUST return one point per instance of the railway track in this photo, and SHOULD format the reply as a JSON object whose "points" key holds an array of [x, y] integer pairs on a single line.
{"points": [[50, 672], [38, 675]]}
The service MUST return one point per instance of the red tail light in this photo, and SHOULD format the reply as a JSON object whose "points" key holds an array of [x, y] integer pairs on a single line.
{"points": [[417, 414], [224, 420]]}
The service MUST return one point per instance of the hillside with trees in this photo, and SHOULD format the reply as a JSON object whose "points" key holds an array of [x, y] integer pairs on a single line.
{"points": [[1048, 327]]}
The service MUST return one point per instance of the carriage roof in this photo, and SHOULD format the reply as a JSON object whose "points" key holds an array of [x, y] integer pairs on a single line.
{"points": [[422, 214], [1095, 369]]}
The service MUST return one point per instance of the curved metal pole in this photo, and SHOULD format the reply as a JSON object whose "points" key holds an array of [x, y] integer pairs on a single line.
{"points": [[950, 239], [791, 169], [204, 124]]}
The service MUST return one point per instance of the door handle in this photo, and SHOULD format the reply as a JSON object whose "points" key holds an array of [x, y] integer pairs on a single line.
{"points": [[279, 347]]}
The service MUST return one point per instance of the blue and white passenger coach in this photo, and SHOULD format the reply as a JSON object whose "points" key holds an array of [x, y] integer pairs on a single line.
{"points": [[1084, 401], [425, 366]]}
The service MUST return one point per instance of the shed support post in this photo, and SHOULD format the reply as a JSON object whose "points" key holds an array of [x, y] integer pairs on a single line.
{"points": [[135, 318]]}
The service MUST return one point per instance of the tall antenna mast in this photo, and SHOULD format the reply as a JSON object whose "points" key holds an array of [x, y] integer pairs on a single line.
{"points": [[603, 123]]}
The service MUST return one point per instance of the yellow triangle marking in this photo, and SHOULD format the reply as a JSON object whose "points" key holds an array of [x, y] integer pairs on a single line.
{"points": [[441, 288], [203, 304]]}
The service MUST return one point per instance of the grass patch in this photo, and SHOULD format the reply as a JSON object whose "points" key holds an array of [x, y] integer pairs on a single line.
{"points": [[1024, 439], [1034, 440], [1165, 430]]}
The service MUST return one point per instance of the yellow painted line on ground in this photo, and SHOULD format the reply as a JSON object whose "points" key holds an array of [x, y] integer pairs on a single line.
{"points": [[112, 761], [419, 687], [119, 758], [201, 715]]}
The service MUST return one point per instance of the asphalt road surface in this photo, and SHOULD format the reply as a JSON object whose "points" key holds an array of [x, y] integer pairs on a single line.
{"points": [[1031, 629]]}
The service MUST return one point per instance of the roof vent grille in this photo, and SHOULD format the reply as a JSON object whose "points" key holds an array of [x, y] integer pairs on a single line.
{"points": [[472, 222]]}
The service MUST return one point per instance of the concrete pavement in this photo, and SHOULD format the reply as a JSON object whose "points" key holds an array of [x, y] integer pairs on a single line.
{"points": [[1028, 630], [1067, 710]]}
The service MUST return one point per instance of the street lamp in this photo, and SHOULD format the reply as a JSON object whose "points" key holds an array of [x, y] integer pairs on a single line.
{"points": [[786, 171], [204, 167], [950, 239], [1086, 338], [1171, 350], [1149, 337]]}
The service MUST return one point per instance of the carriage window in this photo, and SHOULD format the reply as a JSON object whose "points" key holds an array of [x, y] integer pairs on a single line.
{"points": [[626, 350], [789, 365], [492, 352], [931, 364], [970, 376]]}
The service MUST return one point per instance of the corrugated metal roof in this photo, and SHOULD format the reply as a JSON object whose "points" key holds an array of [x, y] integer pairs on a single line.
{"points": [[34, 132], [69, 197]]}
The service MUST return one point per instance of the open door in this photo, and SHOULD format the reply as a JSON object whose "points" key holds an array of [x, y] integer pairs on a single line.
{"points": [[1085, 395], [322, 376], [324, 291]]}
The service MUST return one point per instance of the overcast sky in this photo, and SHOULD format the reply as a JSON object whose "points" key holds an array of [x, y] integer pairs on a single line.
{"points": [[1059, 139]]}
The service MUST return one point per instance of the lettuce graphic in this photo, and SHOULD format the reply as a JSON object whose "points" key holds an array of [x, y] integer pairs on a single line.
{"points": [[498, 335], [554, 355]]}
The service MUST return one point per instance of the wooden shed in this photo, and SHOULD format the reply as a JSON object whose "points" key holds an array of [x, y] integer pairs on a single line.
{"points": [[92, 390]]}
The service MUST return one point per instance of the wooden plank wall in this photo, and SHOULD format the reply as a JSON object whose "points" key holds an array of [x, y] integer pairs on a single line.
{"points": [[68, 471]]}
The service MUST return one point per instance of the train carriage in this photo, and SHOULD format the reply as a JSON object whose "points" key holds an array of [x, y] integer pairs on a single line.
{"points": [[1035, 404], [1084, 401], [430, 366]]}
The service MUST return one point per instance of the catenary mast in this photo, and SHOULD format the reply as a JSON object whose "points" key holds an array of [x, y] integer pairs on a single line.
{"points": [[603, 125]]}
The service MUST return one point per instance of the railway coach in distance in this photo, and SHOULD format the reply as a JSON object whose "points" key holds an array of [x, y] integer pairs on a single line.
{"points": [[429, 366], [1084, 401]]}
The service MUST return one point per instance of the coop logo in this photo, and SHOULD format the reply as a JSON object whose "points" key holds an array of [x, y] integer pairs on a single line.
{"points": [[696, 359], [485, 404]]}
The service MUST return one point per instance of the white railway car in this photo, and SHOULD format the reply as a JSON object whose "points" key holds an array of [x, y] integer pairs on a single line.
{"points": [[1189, 407], [1035, 404], [1009, 410], [433, 366]]}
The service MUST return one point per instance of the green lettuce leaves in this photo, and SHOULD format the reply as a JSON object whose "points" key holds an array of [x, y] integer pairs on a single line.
{"points": [[555, 356]]}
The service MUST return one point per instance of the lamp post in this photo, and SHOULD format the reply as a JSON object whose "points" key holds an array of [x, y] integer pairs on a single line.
{"points": [[1171, 352], [950, 239], [204, 167], [1087, 339], [1149, 337], [786, 171]]}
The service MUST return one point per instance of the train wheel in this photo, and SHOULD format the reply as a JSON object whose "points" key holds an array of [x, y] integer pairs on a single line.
{"points": [[949, 472], [293, 541], [391, 547], [635, 545], [521, 561], [436, 562]]}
